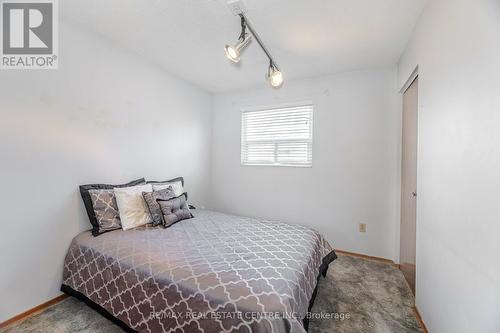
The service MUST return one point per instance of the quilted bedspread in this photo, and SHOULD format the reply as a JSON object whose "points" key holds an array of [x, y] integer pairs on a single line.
{"points": [[212, 273]]}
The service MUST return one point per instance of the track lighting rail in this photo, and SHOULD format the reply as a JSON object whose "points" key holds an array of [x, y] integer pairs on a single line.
{"points": [[259, 41]]}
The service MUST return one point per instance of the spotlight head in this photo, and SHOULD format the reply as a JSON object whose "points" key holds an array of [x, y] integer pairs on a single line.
{"points": [[274, 76], [233, 51]]}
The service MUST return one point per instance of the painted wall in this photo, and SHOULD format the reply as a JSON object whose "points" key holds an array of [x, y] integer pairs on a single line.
{"points": [[456, 46], [355, 173], [104, 116]]}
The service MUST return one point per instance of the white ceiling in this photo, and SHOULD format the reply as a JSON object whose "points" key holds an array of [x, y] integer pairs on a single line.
{"points": [[307, 37]]}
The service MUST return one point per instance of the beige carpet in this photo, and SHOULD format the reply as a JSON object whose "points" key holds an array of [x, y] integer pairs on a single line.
{"points": [[358, 296]]}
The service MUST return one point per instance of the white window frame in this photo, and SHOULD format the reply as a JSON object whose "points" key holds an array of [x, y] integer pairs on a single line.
{"points": [[271, 107]]}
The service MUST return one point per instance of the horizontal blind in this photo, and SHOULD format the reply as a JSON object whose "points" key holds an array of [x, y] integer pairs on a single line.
{"points": [[277, 136]]}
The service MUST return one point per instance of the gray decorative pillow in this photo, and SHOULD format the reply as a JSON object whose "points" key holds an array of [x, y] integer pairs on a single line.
{"points": [[154, 207], [174, 210], [105, 209]]}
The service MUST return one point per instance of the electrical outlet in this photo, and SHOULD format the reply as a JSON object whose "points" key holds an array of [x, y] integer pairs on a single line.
{"points": [[237, 7], [362, 227]]}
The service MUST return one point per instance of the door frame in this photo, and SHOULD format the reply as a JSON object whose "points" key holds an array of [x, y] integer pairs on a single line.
{"points": [[408, 82]]}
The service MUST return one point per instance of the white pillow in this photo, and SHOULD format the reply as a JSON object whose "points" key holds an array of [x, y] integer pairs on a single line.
{"points": [[131, 205], [176, 187]]}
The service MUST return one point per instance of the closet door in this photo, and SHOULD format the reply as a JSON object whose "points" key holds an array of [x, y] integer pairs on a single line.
{"points": [[407, 258]]}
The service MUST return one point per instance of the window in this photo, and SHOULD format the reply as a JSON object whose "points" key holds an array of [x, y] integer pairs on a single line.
{"points": [[280, 136]]}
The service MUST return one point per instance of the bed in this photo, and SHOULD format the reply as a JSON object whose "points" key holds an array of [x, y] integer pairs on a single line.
{"points": [[212, 273]]}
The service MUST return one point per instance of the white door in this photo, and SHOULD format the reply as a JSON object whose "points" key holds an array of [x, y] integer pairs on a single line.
{"points": [[408, 229]]}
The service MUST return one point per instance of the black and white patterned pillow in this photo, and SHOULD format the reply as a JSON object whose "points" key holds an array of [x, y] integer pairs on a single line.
{"points": [[154, 207], [106, 205], [175, 210]]}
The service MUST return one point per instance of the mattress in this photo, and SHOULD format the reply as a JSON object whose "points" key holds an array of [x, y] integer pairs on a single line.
{"points": [[212, 273]]}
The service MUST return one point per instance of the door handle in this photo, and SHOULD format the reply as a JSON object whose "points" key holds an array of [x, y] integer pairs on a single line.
{"points": [[414, 194]]}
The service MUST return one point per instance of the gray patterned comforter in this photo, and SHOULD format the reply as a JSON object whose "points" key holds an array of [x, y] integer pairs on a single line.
{"points": [[212, 273]]}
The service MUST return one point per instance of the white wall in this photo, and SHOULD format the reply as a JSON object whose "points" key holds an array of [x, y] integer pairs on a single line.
{"points": [[456, 46], [103, 116], [355, 173]]}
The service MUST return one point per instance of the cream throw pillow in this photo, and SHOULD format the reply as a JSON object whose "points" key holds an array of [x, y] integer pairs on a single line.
{"points": [[132, 207]]}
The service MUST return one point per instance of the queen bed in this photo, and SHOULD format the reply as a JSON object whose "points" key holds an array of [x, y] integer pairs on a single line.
{"points": [[211, 273]]}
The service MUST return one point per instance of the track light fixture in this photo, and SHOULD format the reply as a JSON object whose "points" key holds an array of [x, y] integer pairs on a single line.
{"points": [[274, 76], [233, 52]]}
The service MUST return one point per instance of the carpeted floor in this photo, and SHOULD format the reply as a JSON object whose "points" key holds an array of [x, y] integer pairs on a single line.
{"points": [[358, 296]]}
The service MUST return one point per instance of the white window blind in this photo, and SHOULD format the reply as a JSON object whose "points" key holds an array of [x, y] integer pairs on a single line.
{"points": [[277, 136]]}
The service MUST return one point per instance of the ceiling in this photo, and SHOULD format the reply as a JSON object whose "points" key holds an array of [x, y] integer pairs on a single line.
{"points": [[306, 37]]}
